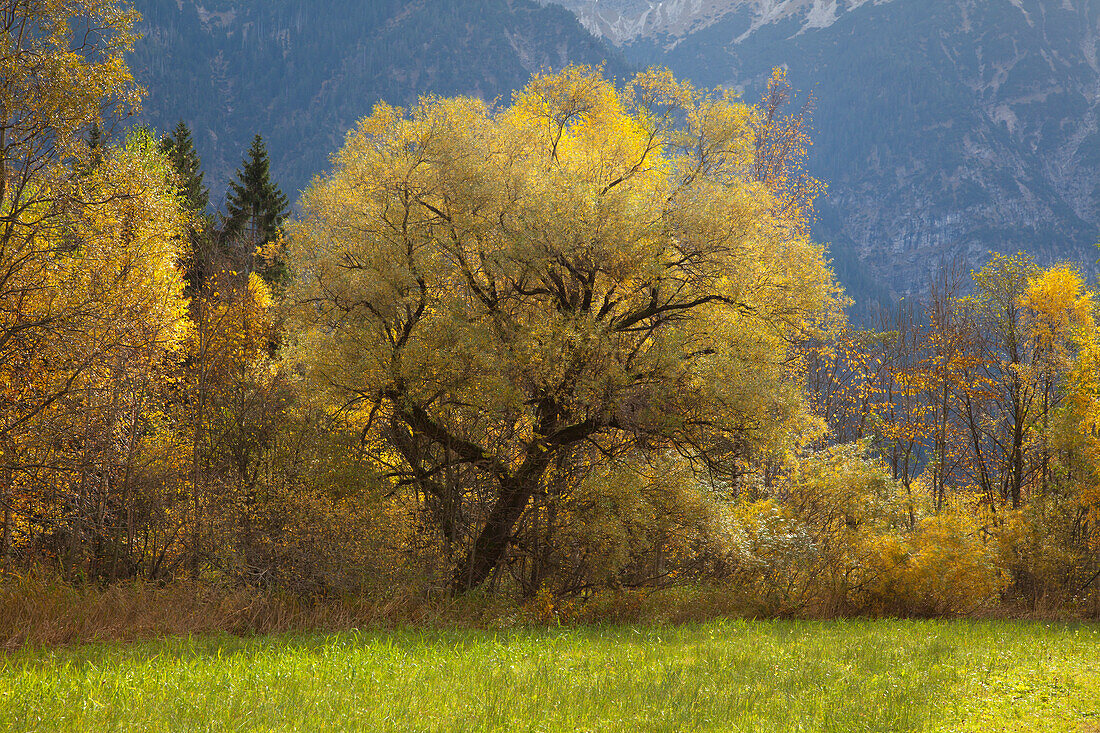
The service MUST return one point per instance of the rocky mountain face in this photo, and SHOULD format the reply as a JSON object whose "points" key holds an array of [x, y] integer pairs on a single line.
{"points": [[301, 73], [942, 130], [626, 21]]}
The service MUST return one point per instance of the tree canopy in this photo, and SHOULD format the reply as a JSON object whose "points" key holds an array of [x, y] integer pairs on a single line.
{"points": [[586, 273]]}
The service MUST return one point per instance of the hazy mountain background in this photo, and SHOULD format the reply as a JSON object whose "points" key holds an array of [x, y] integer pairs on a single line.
{"points": [[302, 72], [943, 129]]}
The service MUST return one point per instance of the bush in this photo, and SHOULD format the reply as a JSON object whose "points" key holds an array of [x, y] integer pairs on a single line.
{"points": [[941, 568], [836, 539]]}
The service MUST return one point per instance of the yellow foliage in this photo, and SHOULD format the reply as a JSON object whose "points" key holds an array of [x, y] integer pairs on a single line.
{"points": [[437, 245], [583, 265], [1060, 312], [941, 568]]}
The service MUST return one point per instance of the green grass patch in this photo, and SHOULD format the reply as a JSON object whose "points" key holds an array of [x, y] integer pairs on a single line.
{"points": [[720, 676]]}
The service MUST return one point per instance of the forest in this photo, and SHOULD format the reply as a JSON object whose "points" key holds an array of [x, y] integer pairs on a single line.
{"points": [[569, 349]]}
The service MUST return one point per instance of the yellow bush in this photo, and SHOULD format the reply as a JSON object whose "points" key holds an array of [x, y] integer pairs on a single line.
{"points": [[940, 568]]}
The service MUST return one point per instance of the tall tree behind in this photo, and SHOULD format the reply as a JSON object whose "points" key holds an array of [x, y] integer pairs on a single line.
{"points": [[999, 308], [256, 208], [194, 197], [180, 148]]}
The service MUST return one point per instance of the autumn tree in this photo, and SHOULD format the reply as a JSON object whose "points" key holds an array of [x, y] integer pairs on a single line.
{"points": [[946, 373], [1059, 323], [228, 419], [114, 277], [1053, 544], [1000, 311], [62, 72], [781, 138], [587, 271]]}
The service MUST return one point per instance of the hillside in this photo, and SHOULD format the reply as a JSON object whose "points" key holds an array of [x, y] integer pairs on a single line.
{"points": [[301, 73], [940, 134]]}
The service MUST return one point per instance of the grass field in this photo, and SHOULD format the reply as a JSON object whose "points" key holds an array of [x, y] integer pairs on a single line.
{"points": [[721, 676]]}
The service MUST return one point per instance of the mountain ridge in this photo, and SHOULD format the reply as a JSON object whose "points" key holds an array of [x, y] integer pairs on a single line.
{"points": [[941, 135], [302, 73], [669, 21]]}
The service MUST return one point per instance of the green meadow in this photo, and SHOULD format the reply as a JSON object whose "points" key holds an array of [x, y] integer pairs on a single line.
{"points": [[720, 676]]}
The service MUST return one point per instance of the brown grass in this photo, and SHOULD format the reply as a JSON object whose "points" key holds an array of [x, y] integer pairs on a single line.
{"points": [[40, 610], [37, 611]]}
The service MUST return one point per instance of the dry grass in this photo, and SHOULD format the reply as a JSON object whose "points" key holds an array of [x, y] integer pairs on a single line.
{"points": [[42, 611], [37, 609]]}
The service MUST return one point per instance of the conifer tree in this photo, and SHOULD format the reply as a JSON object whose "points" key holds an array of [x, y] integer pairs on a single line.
{"points": [[256, 208], [194, 197], [95, 137], [180, 149], [95, 146]]}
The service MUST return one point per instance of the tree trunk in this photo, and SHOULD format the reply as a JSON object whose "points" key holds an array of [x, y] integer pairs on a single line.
{"points": [[1017, 475], [492, 542], [6, 498], [5, 540]]}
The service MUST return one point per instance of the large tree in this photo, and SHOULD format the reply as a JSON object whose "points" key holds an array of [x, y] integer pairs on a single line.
{"points": [[62, 72], [586, 273]]}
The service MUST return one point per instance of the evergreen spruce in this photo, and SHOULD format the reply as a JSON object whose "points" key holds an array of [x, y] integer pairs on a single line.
{"points": [[256, 209], [95, 146], [180, 149], [95, 137], [193, 196]]}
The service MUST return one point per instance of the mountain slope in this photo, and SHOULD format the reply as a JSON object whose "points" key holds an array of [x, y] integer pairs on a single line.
{"points": [[941, 134], [627, 21], [301, 73]]}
